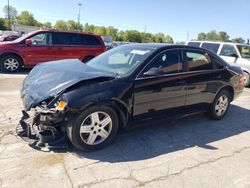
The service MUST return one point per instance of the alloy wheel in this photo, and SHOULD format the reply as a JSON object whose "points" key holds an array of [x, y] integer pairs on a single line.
{"points": [[11, 64], [96, 128], [221, 105]]}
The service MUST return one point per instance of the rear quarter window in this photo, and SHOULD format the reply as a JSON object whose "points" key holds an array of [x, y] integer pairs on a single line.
{"points": [[211, 46], [88, 40]]}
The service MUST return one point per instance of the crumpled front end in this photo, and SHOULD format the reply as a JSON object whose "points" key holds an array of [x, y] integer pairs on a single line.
{"points": [[44, 129]]}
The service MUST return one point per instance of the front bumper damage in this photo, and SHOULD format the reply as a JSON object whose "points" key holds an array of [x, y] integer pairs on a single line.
{"points": [[43, 129]]}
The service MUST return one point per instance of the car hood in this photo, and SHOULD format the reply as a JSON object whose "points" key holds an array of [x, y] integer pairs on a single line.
{"points": [[49, 79]]}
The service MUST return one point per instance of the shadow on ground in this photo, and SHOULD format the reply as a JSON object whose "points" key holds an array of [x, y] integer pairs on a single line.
{"points": [[22, 71], [165, 136]]}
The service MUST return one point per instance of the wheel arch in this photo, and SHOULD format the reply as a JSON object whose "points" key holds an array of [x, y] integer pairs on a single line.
{"points": [[12, 53], [228, 88]]}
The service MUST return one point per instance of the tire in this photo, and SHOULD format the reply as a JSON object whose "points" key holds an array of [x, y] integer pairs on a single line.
{"points": [[220, 106], [87, 59], [95, 134], [247, 79], [10, 63]]}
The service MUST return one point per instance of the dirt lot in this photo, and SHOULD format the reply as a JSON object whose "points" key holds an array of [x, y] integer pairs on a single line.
{"points": [[190, 152]]}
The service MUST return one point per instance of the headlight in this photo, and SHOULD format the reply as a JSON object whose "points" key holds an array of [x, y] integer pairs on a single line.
{"points": [[61, 105]]}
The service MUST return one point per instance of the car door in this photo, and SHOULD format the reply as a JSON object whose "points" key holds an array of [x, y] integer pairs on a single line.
{"points": [[162, 91], [203, 79], [40, 49], [229, 53]]}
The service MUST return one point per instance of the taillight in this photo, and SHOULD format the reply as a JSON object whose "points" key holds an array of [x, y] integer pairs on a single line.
{"points": [[241, 83]]}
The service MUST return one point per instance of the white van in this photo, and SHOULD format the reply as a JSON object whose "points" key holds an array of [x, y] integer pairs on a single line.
{"points": [[237, 54]]}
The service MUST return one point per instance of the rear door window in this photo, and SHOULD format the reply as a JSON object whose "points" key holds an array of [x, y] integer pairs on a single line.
{"points": [[195, 44], [198, 61], [214, 47], [62, 39]]}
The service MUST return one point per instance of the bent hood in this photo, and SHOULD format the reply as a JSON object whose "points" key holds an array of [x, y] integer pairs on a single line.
{"points": [[49, 79]]}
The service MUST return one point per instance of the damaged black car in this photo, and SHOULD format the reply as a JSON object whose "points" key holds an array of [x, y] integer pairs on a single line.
{"points": [[87, 103]]}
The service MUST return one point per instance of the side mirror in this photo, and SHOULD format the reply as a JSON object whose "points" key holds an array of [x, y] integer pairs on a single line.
{"points": [[234, 55], [28, 42], [153, 72]]}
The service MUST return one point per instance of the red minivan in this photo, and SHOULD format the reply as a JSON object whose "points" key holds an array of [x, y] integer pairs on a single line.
{"points": [[48, 45]]}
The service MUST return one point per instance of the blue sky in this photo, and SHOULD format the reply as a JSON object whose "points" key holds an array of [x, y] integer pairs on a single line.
{"points": [[173, 17]]}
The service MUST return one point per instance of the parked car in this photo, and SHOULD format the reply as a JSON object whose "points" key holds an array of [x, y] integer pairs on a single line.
{"points": [[48, 45], [88, 103], [4, 38], [235, 54]]}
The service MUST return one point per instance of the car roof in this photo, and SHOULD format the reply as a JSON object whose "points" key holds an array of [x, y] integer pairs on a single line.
{"points": [[156, 46], [215, 42], [62, 31]]}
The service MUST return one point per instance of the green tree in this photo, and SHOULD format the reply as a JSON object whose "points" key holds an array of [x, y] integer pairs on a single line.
{"points": [[239, 40], [47, 25], [10, 11], [3, 24], [61, 25], [120, 36], [27, 18], [212, 35], [100, 30], [88, 28], [113, 32], [147, 37], [132, 36], [223, 36], [202, 36], [73, 26], [169, 39], [160, 38]]}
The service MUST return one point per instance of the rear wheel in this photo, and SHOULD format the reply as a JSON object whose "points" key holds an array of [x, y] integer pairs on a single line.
{"points": [[10, 63], [220, 105], [246, 79], [94, 128]]}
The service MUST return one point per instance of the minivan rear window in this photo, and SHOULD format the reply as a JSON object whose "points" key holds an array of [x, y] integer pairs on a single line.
{"points": [[195, 44], [75, 39], [214, 47]]}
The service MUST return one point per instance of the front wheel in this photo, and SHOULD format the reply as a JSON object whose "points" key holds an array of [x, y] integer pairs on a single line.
{"points": [[93, 128], [10, 63], [220, 105]]}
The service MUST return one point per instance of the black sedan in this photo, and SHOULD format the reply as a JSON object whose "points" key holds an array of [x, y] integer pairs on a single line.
{"points": [[87, 103]]}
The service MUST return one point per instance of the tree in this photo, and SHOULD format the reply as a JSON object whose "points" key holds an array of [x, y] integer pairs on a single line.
{"points": [[238, 40], [113, 32], [100, 30], [61, 25], [222, 36], [27, 18], [73, 26], [202, 36], [169, 39], [88, 28], [160, 38], [132, 36], [120, 36], [212, 35], [47, 25], [11, 12], [147, 37], [2, 24]]}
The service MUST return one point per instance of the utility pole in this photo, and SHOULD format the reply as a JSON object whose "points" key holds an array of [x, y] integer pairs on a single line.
{"points": [[145, 29], [79, 15], [187, 35], [9, 13]]}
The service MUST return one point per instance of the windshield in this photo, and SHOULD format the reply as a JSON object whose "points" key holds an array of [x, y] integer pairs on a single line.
{"points": [[121, 60], [24, 36], [244, 51]]}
